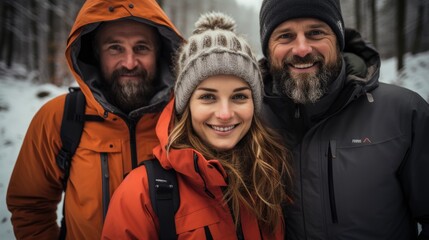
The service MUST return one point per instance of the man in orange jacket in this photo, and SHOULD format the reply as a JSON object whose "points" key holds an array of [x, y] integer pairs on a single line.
{"points": [[120, 54]]}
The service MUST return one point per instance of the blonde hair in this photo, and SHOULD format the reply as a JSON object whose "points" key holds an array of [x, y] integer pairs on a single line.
{"points": [[257, 168]]}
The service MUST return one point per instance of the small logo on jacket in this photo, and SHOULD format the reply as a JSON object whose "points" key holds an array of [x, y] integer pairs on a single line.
{"points": [[363, 140]]}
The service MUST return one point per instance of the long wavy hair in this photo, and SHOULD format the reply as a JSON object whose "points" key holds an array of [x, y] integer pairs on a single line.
{"points": [[257, 168]]}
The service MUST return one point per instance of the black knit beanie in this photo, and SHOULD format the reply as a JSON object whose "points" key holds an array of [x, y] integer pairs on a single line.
{"points": [[275, 12]]}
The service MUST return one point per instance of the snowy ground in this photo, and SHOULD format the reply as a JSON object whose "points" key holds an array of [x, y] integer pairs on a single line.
{"points": [[19, 101]]}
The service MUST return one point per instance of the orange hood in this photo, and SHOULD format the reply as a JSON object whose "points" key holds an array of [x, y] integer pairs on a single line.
{"points": [[80, 56]]}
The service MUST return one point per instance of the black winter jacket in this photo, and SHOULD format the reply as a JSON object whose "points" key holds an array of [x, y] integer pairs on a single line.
{"points": [[361, 156]]}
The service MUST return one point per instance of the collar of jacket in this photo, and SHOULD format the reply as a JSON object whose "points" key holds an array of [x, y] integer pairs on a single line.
{"points": [[311, 113]]}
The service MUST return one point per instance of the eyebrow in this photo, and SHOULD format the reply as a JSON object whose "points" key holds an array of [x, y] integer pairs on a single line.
{"points": [[311, 26], [111, 40], [319, 25], [215, 90]]}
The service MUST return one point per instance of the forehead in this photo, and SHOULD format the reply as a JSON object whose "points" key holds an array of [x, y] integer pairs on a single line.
{"points": [[301, 23], [125, 28], [223, 81]]}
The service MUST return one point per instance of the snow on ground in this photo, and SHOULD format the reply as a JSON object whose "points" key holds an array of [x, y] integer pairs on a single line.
{"points": [[20, 99]]}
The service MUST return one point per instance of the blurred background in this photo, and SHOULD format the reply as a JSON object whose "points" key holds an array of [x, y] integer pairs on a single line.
{"points": [[33, 69], [33, 33]]}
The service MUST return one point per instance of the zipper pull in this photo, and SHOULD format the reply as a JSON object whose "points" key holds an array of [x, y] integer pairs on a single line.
{"points": [[297, 113], [369, 97]]}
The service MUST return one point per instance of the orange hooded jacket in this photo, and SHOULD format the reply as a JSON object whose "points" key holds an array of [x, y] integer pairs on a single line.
{"points": [[107, 151], [201, 213]]}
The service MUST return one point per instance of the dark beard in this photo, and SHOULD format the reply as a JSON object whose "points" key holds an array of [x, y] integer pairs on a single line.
{"points": [[130, 95], [305, 88]]}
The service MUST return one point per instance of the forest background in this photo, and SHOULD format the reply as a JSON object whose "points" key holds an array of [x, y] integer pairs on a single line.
{"points": [[33, 33]]}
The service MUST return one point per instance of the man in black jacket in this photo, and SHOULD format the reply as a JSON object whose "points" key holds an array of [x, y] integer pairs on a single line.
{"points": [[361, 153]]}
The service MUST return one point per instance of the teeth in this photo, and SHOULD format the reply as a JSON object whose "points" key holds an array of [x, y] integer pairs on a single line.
{"points": [[222, 129], [307, 65]]}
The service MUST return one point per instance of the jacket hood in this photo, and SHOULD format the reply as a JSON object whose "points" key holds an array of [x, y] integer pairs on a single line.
{"points": [[80, 54], [344, 89]]}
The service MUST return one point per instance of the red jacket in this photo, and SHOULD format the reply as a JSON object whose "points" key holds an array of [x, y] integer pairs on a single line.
{"points": [[131, 216], [35, 186]]}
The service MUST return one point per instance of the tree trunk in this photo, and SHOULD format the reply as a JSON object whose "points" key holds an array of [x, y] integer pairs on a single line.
{"points": [[42, 40], [373, 22], [10, 36], [400, 31], [419, 28], [358, 16], [3, 30], [34, 33], [51, 42]]}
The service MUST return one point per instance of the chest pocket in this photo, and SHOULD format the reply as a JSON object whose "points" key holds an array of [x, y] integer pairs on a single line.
{"points": [[90, 173]]}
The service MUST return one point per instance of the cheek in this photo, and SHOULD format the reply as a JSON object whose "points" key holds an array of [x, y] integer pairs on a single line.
{"points": [[246, 114], [277, 54], [330, 51], [198, 115], [149, 63], [107, 65]]}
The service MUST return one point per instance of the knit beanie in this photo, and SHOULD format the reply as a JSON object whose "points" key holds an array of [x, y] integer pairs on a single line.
{"points": [[215, 49], [275, 12]]}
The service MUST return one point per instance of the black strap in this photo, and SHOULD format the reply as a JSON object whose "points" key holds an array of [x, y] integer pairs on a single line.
{"points": [[164, 196], [71, 131]]}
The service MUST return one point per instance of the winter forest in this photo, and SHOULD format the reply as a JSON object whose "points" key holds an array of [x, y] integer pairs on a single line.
{"points": [[33, 33], [33, 68]]}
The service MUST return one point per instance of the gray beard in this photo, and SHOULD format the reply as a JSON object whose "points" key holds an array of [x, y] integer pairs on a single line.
{"points": [[130, 95], [305, 88]]}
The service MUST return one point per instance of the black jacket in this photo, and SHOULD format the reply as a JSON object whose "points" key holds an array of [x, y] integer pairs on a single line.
{"points": [[361, 156]]}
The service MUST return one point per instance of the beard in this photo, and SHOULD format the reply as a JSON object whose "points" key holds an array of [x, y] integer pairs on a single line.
{"points": [[305, 87], [129, 94]]}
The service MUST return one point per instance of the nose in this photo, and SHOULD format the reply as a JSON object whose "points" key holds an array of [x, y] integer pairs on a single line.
{"points": [[129, 61], [224, 111], [302, 47]]}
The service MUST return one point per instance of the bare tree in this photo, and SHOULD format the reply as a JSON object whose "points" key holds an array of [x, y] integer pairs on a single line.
{"points": [[358, 15], [419, 28], [373, 8], [400, 31]]}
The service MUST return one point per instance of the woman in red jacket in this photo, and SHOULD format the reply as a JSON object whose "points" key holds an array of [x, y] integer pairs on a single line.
{"points": [[230, 168]]}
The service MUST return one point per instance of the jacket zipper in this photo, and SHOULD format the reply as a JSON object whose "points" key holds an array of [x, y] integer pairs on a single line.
{"points": [[208, 233], [197, 169], [133, 148], [332, 154], [105, 183]]}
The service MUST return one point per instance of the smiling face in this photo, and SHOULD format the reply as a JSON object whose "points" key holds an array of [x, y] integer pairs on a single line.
{"points": [[221, 111], [127, 51], [304, 58]]}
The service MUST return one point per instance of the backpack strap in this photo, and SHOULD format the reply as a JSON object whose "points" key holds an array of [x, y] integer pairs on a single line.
{"points": [[71, 131], [164, 196]]}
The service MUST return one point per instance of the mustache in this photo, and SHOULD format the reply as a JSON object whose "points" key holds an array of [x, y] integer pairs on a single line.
{"points": [[310, 58], [137, 72]]}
